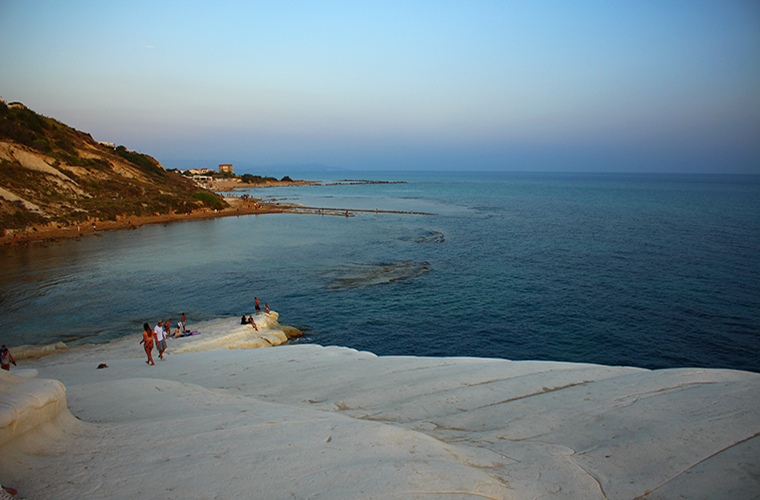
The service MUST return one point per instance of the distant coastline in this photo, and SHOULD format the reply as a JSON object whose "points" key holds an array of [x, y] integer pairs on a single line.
{"points": [[237, 206], [58, 182], [49, 233]]}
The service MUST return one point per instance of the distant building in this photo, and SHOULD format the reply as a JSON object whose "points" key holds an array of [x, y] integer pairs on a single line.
{"points": [[108, 144], [225, 168], [203, 181], [198, 171]]}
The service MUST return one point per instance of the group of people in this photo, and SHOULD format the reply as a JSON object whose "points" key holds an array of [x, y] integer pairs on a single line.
{"points": [[158, 335], [249, 320], [258, 306]]}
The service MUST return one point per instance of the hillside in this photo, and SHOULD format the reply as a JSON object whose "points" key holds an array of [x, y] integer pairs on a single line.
{"points": [[53, 176]]}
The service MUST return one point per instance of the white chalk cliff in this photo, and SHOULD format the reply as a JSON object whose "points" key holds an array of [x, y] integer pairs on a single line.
{"points": [[304, 421]]}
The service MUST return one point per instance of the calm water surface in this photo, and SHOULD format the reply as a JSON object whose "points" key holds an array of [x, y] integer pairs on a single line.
{"points": [[645, 270]]}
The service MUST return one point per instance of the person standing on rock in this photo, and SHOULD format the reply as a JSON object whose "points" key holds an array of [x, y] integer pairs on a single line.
{"points": [[258, 305]]}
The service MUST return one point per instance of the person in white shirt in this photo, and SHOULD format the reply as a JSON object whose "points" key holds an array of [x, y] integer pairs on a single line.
{"points": [[160, 339]]}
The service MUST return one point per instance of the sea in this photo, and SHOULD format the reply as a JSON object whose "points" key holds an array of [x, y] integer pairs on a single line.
{"points": [[647, 270]]}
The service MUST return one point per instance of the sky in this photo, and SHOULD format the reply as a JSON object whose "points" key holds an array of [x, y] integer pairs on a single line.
{"points": [[565, 86]]}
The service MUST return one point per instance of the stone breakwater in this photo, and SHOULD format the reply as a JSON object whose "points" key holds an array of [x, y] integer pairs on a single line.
{"points": [[303, 420]]}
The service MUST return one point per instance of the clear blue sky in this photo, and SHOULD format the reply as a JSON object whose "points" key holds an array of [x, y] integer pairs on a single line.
{"points": [[660, 86]]}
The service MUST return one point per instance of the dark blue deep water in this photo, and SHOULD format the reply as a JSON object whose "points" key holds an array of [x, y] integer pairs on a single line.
{"points": [[655, 271]]}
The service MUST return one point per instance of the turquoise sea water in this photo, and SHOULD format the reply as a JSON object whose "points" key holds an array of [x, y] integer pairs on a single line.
{"points": [[645, 270]]}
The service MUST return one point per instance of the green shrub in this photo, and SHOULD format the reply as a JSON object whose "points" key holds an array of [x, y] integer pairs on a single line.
{"points": [[41, 145], [31, 119], [140, 160], [65, 144], [210, 200], [256, 179]]}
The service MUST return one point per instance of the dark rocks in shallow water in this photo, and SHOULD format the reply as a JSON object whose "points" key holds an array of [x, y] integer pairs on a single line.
{"points": [[358, 275], [425, 237], [291, 332]]}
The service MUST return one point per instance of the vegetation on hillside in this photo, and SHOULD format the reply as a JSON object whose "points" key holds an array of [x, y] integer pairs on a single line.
{"points": [[256, 179], [72, 179]]}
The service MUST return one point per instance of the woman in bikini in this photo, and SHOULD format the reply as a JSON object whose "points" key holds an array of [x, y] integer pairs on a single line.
{"points": [[148, 335]]}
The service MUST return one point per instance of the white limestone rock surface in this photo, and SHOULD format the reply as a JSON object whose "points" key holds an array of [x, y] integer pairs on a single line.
{"points": [[304, 421]]}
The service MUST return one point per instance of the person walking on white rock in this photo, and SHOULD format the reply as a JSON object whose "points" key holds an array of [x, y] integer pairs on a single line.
{"points": [[160, 339]]}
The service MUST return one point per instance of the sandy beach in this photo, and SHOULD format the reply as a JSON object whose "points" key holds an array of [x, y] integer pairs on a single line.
{"points": [[220, 418]]}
